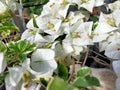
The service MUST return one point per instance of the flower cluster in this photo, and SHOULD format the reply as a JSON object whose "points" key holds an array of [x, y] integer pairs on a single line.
{"points": [[62, 31], [70, 19]]}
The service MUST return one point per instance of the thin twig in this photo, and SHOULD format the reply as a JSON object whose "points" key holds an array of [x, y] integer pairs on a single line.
{"points": [[86, 56], [101, 55], [101, 61], [73, 71]]}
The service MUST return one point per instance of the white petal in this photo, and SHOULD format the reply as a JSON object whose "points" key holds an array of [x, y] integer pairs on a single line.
{"points": [[104, 28], [39, 38], [40, 69], [15, 75], [99, 2], [117, 17], [113, 54], [116, 67], [8, 85], [115, 5], [78, 49], [67, 47], [100, 37], [59, 51], [26, 64], [112, 50], [2, 7], [89, 5], [43, 55], [102, 46], [3, 63], [27, 35], [63, 11], [43, 62]]}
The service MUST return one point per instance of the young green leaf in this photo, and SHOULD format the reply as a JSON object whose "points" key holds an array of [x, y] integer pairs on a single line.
{"points": [[2, 46], [62, 71], [80, 83], [23, 45], [18, 51], [92, 81], [43, 82], [84, 71], [2, 77], [83, 82], [59, 84], [34, 22]]}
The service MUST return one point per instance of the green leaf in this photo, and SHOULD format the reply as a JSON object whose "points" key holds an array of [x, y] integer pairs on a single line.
{"points": [[34, 22], [84, 71], [18, 51], [92, 81], [93, 18], [80, 83], [22, 57], [6, 16], [43, 82], [83, 82], [2, 77], [3, 47], [62, 71], [59, 84], [30, 48], [23, 45], [13, 47]]}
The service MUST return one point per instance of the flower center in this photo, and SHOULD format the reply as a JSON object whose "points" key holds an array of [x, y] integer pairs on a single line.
{"points": [[64, 2], [84, 1], [47, 45], [52, 5], [114, 6], [51, 25], [110, 21], [74, 34], [26, 78], [32, 32]]}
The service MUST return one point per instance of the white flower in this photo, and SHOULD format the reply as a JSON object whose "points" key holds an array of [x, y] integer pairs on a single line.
{"points": [[3, 63], [43, 62], [33, 37], [112, 46], [115, 5], [36, 67], [105, 25], [55, 9], [74, 17], [81, 35], [102, 31], [85, 32], [87, 4], [30, 25], [20, 85], [116, 18], [70, 48], [48, 25]]}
